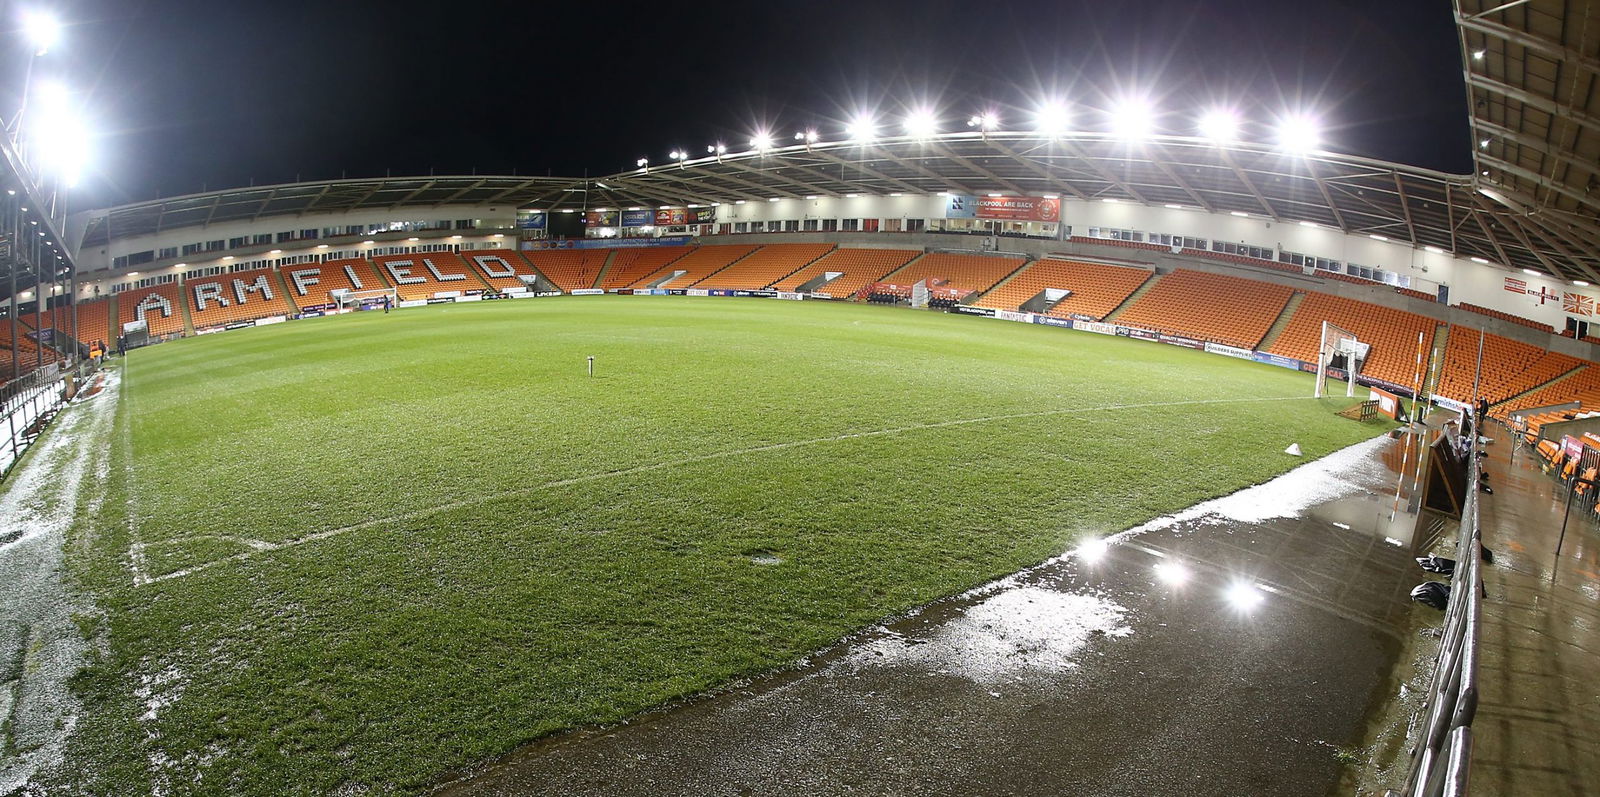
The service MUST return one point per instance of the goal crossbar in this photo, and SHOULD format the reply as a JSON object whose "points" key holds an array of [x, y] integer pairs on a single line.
{"points": [[344, 297], [1337, 341]]}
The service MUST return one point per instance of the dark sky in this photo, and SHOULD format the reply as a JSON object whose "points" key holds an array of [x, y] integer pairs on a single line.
{"points": [[222, 93]]}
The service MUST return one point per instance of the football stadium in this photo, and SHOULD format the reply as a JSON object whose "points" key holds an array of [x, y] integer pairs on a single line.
{"points": [[1127, 446]]}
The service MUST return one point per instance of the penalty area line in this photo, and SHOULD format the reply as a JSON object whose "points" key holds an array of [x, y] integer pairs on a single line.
{"points": [[258, 547]]}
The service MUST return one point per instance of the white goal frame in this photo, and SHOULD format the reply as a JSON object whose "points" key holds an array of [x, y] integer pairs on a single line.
{"points": [[1337, 340], [344, 297]]}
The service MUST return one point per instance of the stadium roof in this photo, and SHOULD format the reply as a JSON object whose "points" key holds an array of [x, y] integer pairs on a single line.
{"points": [[1533, 87]]}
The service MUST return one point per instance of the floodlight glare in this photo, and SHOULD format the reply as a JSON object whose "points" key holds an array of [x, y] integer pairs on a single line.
{"points": [[1092, 551], [1220, 126], [862, 129], [1299, 134], [1051, 119], [59, 134], [1172, 573], [42, 29], [1133, 120], [985, 121], [642, 162], [921, 124], [1245, 596], [678, 155], [761, 141]]}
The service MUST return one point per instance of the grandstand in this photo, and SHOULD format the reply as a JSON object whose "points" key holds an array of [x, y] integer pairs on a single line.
{"points": [[961, 272], [628, 266], [856, 268], [1391, 333], [161, 306], [1504, 316], [310, 285], [502, 269], [235, 297], [1209, 307], [424, 275], [765, 266], [1510, 367], [570, 269], [699, 263], [1096, 289]]}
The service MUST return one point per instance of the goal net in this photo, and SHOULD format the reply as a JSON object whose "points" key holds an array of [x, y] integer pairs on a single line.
{"points": [[369, 298], [1340, 355]]}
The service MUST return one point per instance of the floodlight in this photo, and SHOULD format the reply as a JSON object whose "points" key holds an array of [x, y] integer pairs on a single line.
{"points": [[921, 124], [717, 148], [1220, 126], [60, 136], [1530, 272], [1484, 144], [42, 29], [761, 141], [862, 129], [1133, 120], [1298, 134], [1245, 596], [1477, 55], [986, 121], [809, 136], [642, 162], [1051, 119], [1580, 283], [678, 155]]}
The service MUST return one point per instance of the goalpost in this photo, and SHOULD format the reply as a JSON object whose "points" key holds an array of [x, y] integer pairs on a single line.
{"points": [[347, 299], [1338, 343]]}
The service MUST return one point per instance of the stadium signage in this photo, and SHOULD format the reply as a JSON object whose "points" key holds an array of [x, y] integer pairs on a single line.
{"points": [[1063, 322], [1097, 327], [532, 221], [672, 217], [600, 218], [236, 325], [588, 292], [1187, 343], [638, 218], [1136, 333], [1278, 360], [1229, 351], [702, 215], [821, 295], [608, 243], [1019, 208], [790, 295], [470, 298], [437, 300], [270, 320], [719, 292], [414, 303], [540, 293], [677, 292], [966, 309], [697, 292], [1012, 315]]}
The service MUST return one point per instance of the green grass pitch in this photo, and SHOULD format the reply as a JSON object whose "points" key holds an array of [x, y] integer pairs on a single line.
{"points": [[371, 550]]}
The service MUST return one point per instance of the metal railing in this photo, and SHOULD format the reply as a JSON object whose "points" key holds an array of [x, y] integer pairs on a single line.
{"points": [[1441, 760]]}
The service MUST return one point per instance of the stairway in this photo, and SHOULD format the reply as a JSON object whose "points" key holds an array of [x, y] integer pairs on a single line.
{"points": [[724, 268], [976, 295], [1133, 297], [1281, 322], [599, 279]]}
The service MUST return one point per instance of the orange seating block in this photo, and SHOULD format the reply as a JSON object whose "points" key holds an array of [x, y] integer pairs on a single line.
{"points": [[961, 272], [499, 267], [765, 266], [697, 265], [230, 298], [569, 269], [1391, 333], [1515, 319], [1211, 307], [310, 284], [1509, 367], [421, 275], [857, 268], [631, 265], [160, 305], [1096, 288]]}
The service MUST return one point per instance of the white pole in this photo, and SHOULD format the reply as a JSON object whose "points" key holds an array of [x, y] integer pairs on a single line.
{"points": [[591, 365], [1322, 362]]}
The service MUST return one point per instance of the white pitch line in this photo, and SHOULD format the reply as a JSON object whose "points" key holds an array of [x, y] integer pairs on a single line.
{"points": [[403, 517]]}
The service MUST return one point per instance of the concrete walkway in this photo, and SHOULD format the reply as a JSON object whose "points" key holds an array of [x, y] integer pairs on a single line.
{"points": [[1232, 649], [1538, 725]]}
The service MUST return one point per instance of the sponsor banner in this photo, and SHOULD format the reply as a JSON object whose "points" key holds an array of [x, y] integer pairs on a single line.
{"points": [[1013, 315], [311, 307], [1229, 351], [677, 291], [472, 298], [239, 325], [607, 243], [719, 292], [1278, 360], [638, 218], [600, 218], [207, 330], [1187, 343], [532, 221], [522, 295], [446, 294], [312, 314], [967, 309], [1097, 327], [1019, 208], [622, 291], [588, 292], [441, 300], [790, 295], [414, 303], [961, 206], [541, 293], [672, 217], [1051, 321], [1571, 447], [697, 292], [706, 215], [1449, 404], [1137, 333], [821, 295], [1388, 403], [518, 289], [271, 319]]}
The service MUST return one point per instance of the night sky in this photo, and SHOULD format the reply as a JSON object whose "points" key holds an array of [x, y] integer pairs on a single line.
{"points": [[219, 94]]}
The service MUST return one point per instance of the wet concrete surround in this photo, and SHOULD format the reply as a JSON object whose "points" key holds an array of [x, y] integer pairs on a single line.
{"points": [[1235, 648]]}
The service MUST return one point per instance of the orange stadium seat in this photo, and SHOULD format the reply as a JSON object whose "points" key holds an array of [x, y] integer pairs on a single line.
{"points": [[1582, 387], [765, 266], [630, 265], [1096, 289], [94, 322], [857, 268], [499, 267], [1503, 316], [421, 275], [962, 272], [160, 305], [697, 265], [223, 299], [1391, 333], [1509, 367], [310, 284], [569, 269], [1211, 307]]}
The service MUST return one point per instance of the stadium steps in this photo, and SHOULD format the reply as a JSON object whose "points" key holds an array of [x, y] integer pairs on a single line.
{"points": [[1539, 387], [283, 294], [803, 266], [539, 276], [725, 268], [1133, 297], [890, 276], [600, 278], [183, 309], [1281, 322], [1441, 340], [1003, 280]]}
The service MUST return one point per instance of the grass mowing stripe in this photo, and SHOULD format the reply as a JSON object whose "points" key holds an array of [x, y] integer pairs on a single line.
{"points": [[258, 546]]}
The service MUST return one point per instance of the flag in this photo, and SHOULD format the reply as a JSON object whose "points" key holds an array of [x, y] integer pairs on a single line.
{"points": [[1515, 285], [1577, 304]]}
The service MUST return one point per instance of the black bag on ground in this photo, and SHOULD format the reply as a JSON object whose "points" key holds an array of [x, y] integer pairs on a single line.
{"points": [[1431, 593]]}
